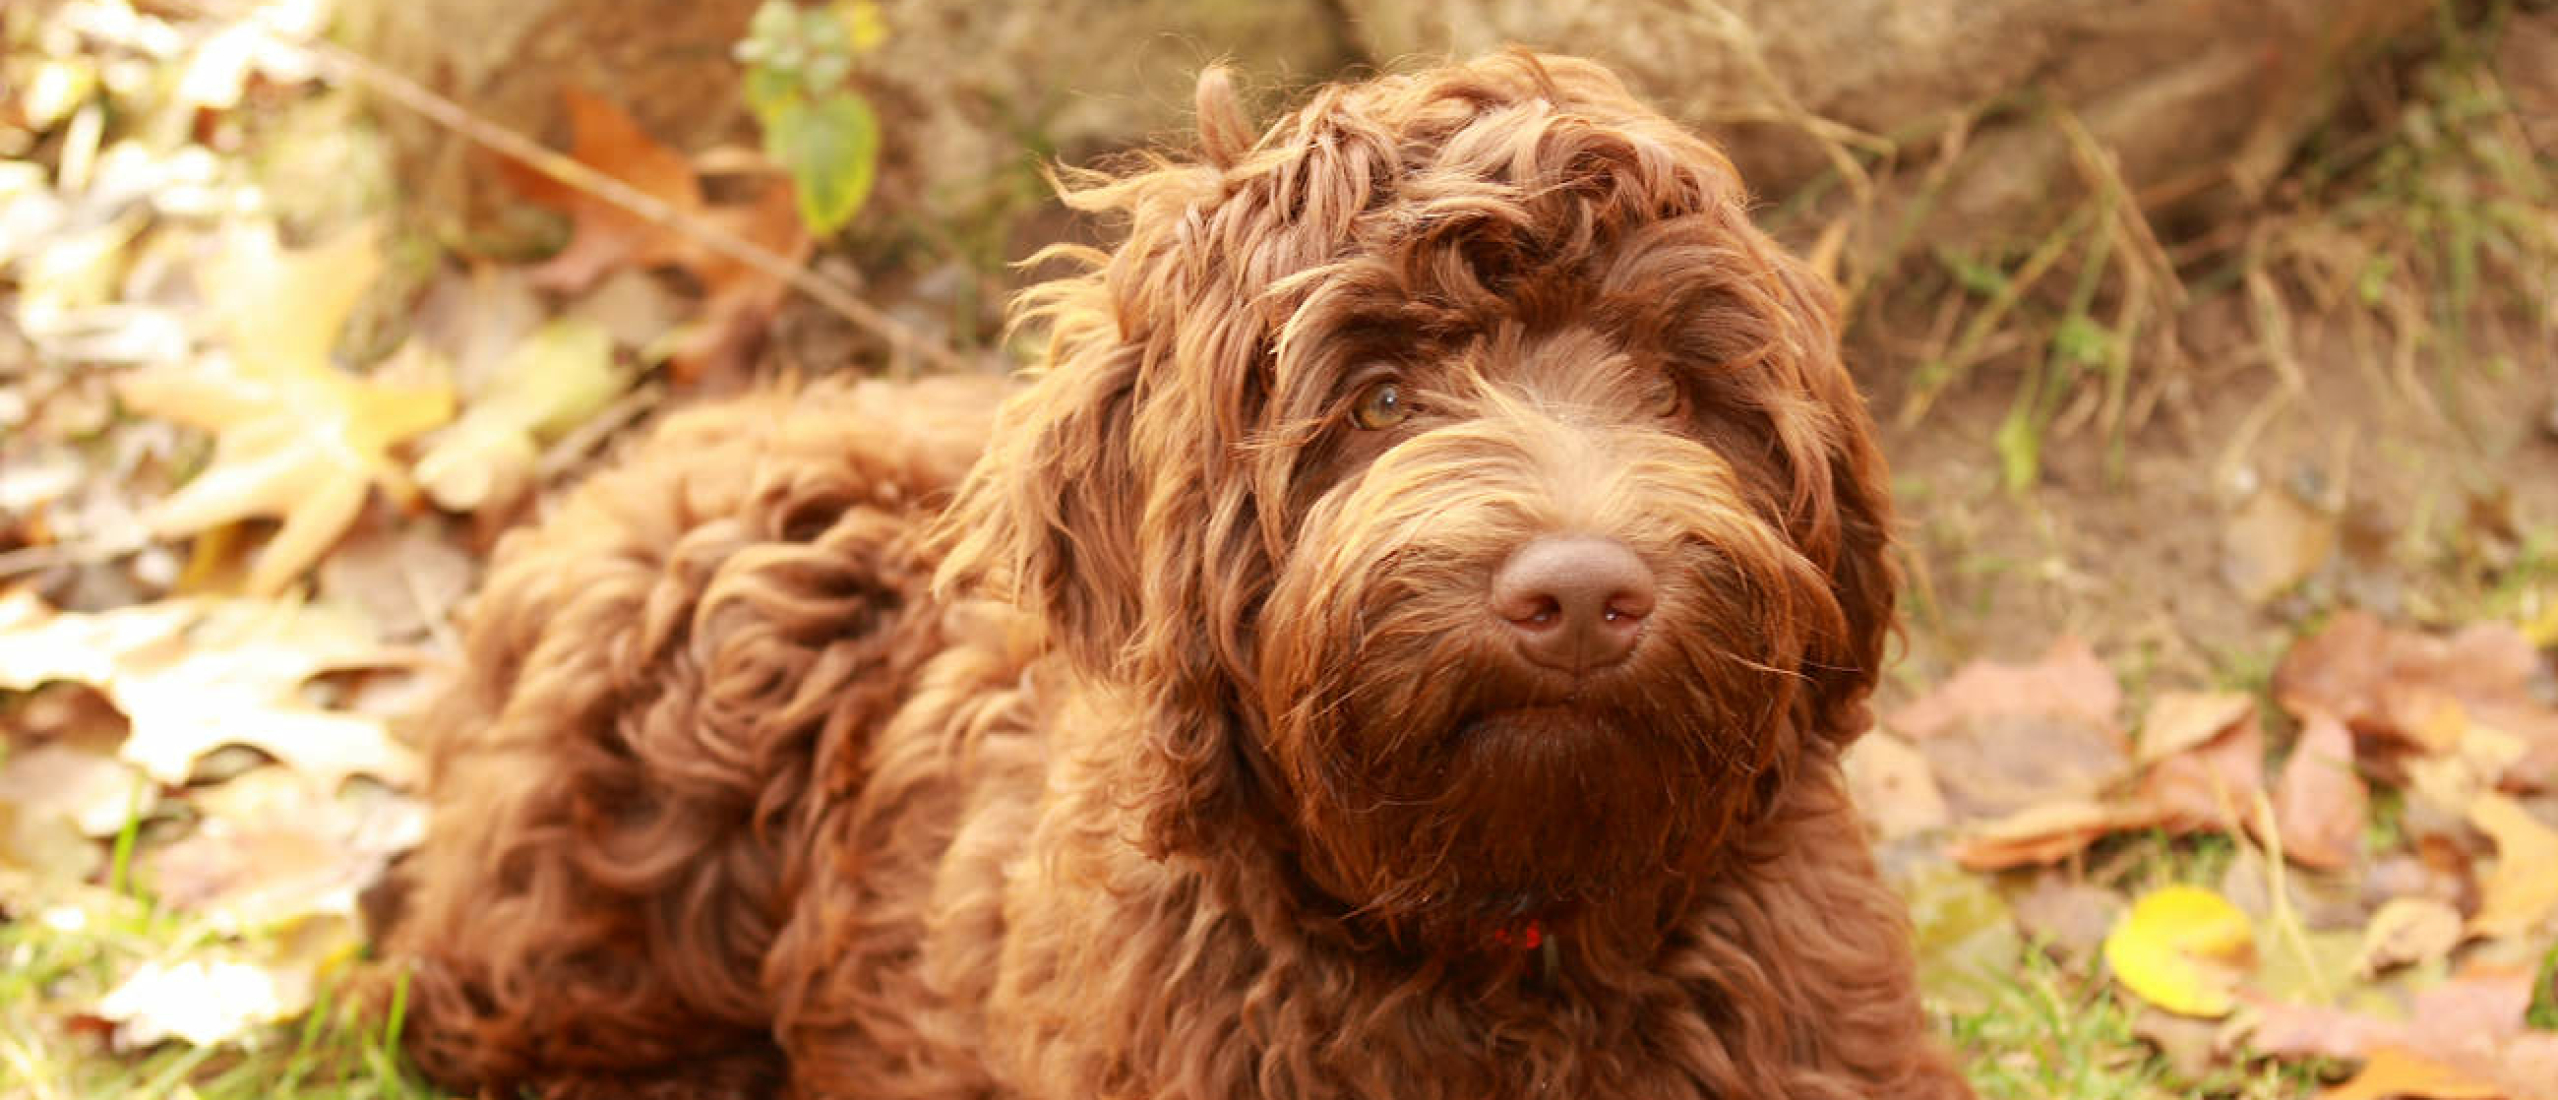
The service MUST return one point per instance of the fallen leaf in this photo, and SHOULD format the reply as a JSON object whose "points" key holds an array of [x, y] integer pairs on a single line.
{"points": [[202, 1000], [2045, 834], [273, 847], [94, 793], [194, 675], [2408, 930], [217, 995], [2213, 783], [562, 375], [2182, 948], [739, 299], [55, 799], [603, 236], [2274, 543], [296, 438], [1892, 787], [2467, 1033], [2392, 1072], [2401, 686], [2182, 720], [2522, 893], [2072, 916], [407, 577], [2006, 738], [2320, 800]]}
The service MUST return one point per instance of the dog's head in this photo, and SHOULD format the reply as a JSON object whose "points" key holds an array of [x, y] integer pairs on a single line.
{"points": [[1473, 495]]}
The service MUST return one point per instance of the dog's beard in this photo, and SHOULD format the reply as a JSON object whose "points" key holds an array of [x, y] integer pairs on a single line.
{"points": [[1447, 790]]}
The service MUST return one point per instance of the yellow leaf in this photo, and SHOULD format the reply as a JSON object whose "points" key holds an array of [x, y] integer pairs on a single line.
{"points": [[296, 438], [2183, 949], [2524, 890]]}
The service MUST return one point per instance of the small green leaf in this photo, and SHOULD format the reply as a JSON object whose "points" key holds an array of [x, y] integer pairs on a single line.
{"points": [[1984, 280], [2082, 341], [2020, 448], [831, 147], [769, 92]]}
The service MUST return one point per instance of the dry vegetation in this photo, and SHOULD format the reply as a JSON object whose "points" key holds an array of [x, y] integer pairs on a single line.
{"points": [[2222, 758]]}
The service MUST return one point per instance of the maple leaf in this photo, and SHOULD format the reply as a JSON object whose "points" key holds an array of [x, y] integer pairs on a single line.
{"points": [[296, 438], [194, 675], [2523, 892], [603, 235], [740, 299]]}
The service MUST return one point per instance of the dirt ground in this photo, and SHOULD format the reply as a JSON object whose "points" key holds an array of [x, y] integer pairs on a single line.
{"points": [[2400, 494]]}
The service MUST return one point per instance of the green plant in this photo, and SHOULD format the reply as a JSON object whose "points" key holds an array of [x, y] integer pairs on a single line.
{"points": [[799, 68]]}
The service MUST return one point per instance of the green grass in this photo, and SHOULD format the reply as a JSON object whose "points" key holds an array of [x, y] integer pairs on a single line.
{"points": [[48, 969]]}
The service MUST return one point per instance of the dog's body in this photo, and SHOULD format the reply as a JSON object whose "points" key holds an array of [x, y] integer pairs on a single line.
{"points": [[1400, 647]]}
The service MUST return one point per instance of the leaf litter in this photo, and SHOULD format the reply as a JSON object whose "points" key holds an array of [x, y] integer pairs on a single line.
{"points": [[254, 443], [234, 529], [2392, 827]]}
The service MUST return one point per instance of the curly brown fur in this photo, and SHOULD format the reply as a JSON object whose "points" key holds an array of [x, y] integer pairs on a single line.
{"points": [[1155, 740]]}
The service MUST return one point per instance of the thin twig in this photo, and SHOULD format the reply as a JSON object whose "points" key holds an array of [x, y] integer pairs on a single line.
{"points": [[827, 292]]}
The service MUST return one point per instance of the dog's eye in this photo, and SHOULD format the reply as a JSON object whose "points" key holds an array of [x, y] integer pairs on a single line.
{"points": [[1380, 406], [1672, 402]]}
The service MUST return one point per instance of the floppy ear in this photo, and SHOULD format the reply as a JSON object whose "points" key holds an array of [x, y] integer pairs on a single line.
{"points": [[1843, 515], [1114, 501]]}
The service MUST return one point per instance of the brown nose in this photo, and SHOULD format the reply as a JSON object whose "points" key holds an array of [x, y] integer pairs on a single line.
{"points": [[1574, 602]]}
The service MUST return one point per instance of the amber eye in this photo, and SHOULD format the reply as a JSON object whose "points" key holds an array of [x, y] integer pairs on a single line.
{"points": [[1380, 406], [1673, 402]]}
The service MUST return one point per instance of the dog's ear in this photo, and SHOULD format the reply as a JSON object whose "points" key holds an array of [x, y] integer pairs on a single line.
{"points": [[1842, 509], [1114, 500]]}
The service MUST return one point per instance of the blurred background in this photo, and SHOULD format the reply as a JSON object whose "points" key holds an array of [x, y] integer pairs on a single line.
{"points": [[2215, 344]]}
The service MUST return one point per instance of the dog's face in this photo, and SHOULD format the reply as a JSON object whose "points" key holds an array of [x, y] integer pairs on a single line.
{"points": [[1473, 494]]}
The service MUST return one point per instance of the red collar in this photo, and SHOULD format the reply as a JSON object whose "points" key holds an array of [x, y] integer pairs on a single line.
{"points": [[1527, 935]]}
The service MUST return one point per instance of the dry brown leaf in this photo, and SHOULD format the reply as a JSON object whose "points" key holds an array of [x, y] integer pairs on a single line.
{"points": [[2045, 834], [2274, 543], [2406, 931], [739, 300], [603, 236], [2072, 916], [2465, 1033], [2320, 800], [273, 847], [2211, 784], [2393, 1072], [2400, 685], [2004, 739], [2522, 893], [2181, 720]]}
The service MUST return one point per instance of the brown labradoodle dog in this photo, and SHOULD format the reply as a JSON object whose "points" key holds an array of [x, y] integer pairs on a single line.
{"points": [[1398, 646]]}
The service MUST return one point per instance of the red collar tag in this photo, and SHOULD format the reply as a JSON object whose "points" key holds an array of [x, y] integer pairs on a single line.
{"points": [[1527, 935]]}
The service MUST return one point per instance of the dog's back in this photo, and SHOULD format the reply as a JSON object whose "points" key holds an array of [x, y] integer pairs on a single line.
{"points": [[655, 676]]}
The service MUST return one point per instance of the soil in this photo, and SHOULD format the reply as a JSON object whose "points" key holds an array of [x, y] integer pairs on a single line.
{"points": [[2423, 490]]}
